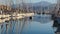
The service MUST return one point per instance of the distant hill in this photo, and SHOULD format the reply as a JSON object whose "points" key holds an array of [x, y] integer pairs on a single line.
{"points": [[37, 6], [42, 3]]}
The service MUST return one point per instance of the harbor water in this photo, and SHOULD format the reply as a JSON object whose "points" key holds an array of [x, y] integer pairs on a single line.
{"points": [[39, 24]]}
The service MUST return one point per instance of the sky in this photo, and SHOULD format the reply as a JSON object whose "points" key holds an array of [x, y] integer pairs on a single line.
{"points": [[26, 1]]}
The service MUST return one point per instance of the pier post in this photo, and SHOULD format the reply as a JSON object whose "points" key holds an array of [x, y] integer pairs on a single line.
{"points": [[0, 29]]}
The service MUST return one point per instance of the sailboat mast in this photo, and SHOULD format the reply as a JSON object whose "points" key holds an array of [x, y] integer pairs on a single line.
{"points": [[41, 10], [57, 6], [22, 6], [31, 6]]}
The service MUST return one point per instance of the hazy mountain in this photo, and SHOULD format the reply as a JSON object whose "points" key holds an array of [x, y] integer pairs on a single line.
{"points": [[42, 3], [38, 6]]}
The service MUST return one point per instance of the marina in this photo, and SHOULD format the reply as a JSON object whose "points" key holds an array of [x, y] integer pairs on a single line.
{"points": [[30, 17]]}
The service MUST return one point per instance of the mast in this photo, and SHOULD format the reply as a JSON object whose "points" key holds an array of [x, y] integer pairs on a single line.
{"points": [[57, 7], [22, 6], [58, 3], [41, 10], [26, 6], [9, 2], [31, 6]]}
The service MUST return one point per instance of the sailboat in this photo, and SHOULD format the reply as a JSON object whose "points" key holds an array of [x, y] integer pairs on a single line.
{"points": [[57, 15], [2, 17]]}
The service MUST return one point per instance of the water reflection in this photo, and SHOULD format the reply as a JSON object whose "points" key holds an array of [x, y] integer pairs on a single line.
{"points": [[28, 26], [42, 18]]}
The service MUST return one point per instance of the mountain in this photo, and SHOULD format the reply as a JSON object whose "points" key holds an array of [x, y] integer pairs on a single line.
{"points": [[42, 3], [37, 6]]}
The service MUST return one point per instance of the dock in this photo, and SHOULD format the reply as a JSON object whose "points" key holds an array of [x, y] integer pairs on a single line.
{"points": [[18, 16]]}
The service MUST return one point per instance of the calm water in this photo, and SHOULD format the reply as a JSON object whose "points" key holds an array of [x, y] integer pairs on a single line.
{"points": [[40, 24]]}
